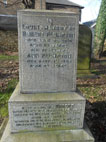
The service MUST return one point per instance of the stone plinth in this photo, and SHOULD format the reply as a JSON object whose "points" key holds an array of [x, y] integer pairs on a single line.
{"points": [[47, 51], [46, 111], [80, 135], [46, 106]]}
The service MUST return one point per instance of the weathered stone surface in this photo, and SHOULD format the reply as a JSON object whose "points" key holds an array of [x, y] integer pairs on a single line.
{"points": [[46, 111], [80, 135], [84, 48], [48, 51]]}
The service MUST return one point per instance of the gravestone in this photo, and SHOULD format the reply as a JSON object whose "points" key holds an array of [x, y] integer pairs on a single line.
{"points": [[47, 51], [84, 49], [46, 103]]}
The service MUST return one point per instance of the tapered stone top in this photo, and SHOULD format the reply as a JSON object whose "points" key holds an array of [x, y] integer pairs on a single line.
{"points": [[48, 51]]}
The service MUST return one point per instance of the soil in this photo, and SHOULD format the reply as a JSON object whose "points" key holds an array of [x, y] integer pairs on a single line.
{"points": [[95, 112]]}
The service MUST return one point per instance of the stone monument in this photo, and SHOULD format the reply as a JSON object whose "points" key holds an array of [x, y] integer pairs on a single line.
{"points": [[46, 103]]}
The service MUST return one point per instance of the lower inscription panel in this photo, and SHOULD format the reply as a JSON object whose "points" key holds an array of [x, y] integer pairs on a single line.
{"points": [[32, 116]]}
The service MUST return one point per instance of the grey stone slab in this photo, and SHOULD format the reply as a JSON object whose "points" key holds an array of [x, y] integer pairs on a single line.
{"points": [[47, 51], [48, 111], [84, 48], [80, 135]]}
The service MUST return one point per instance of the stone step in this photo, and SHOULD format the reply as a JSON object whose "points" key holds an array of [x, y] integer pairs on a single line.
{"points": [[79, 135]]}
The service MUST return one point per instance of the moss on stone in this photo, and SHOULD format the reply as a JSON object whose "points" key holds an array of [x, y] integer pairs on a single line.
{"points": [[84, 48]]}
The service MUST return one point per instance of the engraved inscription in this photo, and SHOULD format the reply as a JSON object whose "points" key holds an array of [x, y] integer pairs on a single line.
{"points": [[46, 115], [47, 52], [49, 45]]}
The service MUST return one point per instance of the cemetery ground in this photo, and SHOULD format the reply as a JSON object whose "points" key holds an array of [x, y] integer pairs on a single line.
{"points": [[93, 87]]}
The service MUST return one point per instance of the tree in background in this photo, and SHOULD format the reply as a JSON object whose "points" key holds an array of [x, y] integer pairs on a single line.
{"points": [[100, 31], [29, 3]]}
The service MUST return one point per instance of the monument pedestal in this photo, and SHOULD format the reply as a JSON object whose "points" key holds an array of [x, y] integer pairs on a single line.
{"points": [[46, 117], [79, 135], [48, 44], [46, 111]]}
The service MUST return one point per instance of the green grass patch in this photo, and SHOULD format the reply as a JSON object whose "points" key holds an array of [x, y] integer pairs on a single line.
{"points": [[4, 97], [5, 57], [81, 72], [83, 63], [98, 72], [91, 92]]}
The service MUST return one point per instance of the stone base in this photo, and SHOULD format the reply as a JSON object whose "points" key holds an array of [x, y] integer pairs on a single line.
{"points": [[80, 135], [46, 111], [3, 126]]}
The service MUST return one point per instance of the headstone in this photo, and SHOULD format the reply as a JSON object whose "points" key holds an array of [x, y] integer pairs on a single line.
{"points": [[46, 100], [48, 51], [84, 49]]}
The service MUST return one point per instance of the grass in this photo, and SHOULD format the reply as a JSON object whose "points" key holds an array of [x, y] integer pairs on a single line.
{"points": [[5, 57], [83, 73], [91, 93], [4, 97]]}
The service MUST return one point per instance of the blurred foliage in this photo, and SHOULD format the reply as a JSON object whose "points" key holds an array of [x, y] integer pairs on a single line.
{"points": [[100, 31]]}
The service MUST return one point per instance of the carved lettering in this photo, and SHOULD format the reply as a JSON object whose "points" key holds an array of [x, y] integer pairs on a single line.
{"points": [[48, 115], [49, 45]]}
